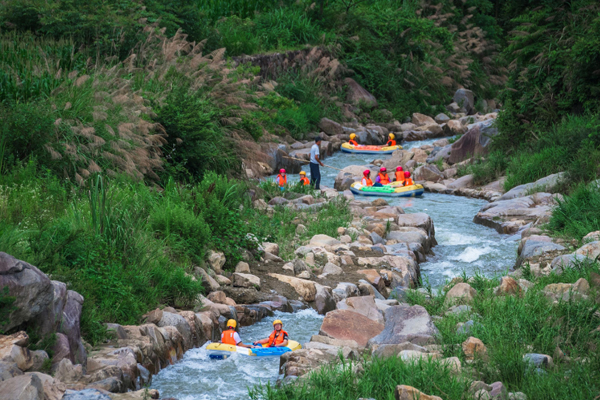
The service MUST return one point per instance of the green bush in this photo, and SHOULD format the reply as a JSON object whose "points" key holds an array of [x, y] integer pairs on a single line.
{"points": [[196, 142]]}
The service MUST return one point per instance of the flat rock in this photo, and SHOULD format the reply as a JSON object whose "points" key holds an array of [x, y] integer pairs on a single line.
{"points": [[364, 305], [324, 240], [405, 392], [350, 325], [245, 280]]}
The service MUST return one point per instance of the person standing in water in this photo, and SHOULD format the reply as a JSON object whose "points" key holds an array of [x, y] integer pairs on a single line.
{"points": [[315, 162]]}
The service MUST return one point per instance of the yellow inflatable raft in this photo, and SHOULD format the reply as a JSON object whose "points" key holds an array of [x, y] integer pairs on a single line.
{"points": [[220, 351], [366, 149]]}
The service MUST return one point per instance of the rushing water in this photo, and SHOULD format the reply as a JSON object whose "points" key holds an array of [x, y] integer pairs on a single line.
{"points": [[196, 377], [462, 246]]}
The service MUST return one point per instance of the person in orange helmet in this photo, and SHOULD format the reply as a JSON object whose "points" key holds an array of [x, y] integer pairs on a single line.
{"points": [[366, 180], [399, 174], [230, 336], [407, 179], [278, 338], [303, 179]]}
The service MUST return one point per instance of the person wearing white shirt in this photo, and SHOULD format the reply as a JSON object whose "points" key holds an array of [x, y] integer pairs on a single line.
{"points": [[315, 162]]}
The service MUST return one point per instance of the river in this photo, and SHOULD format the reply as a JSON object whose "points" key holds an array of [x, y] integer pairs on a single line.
{"points": [[463, 246]]}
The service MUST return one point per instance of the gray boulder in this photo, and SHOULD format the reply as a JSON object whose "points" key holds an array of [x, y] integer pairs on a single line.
{"points": [[404, 323], [23, 387], [31, 288], [465, 99], [474, 143], [70, 327], [546, 184], [176, 320], [358, 95]]}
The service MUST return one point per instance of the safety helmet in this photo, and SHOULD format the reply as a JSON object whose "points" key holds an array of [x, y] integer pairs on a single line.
{"points": [[231, 323], [278, 321], [382, 169], [398, 168], [366, 172], [392, 136], [352, 135], [282, 171], [407, 174], [302, 173]]}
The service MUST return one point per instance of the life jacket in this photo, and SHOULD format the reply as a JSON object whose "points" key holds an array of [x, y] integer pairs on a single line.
{"points": [[282, 180], [399, 176], [353, 142], [305, 181], [367, 182], [384, 179], [391, 143], [408, 182], [277, 338], [227, 337]]}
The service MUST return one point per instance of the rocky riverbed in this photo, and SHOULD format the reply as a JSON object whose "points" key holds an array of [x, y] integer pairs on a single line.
{"points": [[355, 283]]}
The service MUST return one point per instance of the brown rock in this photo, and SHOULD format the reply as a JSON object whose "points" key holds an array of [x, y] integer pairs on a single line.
{"points": [[508, 286], [405, 392], [10, 351], [373, 277], [422, 119], [461, 292], [349, 325], [154, 316], [217, 297], [474, 348], [594, 280]]}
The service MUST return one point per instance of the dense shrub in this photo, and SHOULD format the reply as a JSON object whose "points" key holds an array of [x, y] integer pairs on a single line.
{"points": [[578, 214]]}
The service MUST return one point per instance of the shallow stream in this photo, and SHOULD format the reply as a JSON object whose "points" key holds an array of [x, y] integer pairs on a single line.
{"points": [[462, 246]]}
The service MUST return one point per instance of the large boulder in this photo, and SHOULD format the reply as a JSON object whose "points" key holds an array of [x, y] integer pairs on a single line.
{"points": [[358, 95], [429, 173], [364, 305], [461, 292], [245, 280], [323, 240], [546, 184], [422, 120], [216, 259], [305, 288], [31, 288], [405, 323], [330, 127], [349, 325], [590, 250], [180, 323], [13, 349], [23, 387], [474, 143], [465, 99]]}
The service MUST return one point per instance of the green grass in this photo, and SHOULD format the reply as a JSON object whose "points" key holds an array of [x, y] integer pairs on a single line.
{"points": [[378, 380], [578, 214]]}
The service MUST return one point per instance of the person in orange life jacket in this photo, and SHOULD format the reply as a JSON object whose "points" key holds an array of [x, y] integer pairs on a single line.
{"points": [[407, 180], [391, 140], [366, 180], [399, 174], [304, 179], [281, 178], [230, 336], [382, 177], [352, 140], [279, 337]]}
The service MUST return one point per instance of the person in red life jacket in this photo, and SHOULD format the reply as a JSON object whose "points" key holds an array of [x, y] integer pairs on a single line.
{"points": [[407, 180], [230, 336], [399, 174], [391, 140], [304, 179], [366, 180], [352, 140], [279, 337], [382, 177], [281, 179]]}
